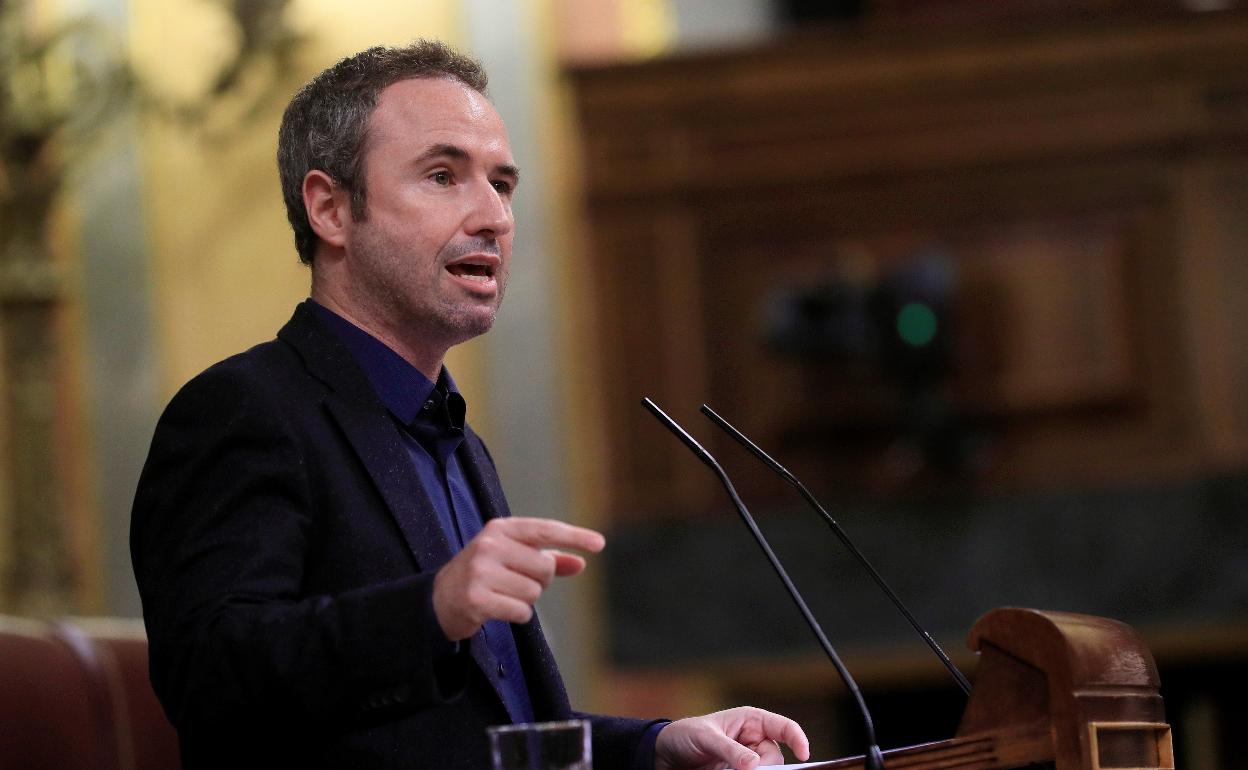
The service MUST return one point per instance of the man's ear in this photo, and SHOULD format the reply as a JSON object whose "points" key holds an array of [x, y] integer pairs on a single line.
{"points": [[329, 207]]}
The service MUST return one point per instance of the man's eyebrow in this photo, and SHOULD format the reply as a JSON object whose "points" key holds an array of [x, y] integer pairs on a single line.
{"points": [[455, 152], [508, 170], [452, 151]]}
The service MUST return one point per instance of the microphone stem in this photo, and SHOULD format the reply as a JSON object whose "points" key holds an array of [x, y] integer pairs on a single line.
{"points": [[840, 533], [798, 600], [957, 675], [873, 758]]}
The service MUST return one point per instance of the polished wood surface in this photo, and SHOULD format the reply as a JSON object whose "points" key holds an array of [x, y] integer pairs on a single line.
{"points": [[1053, 689]]}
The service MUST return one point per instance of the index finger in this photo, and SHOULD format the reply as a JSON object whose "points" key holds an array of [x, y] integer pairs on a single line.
{"points": [[549, 533], [781, 728]]}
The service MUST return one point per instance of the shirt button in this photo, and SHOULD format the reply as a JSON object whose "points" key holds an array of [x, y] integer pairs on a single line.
{"points": [[427, 405], [502, 672]]}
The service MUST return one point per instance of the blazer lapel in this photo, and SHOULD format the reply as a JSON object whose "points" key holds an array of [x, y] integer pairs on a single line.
{"points": [[390, 466], [479, 470], [375, 438], [372, 433]]}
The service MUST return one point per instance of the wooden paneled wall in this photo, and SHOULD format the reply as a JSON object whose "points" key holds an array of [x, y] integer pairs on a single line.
{"points": [[1085, 185]]}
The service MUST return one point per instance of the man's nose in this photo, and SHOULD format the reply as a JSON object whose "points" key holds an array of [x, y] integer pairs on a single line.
{"points": [[490, 213]]}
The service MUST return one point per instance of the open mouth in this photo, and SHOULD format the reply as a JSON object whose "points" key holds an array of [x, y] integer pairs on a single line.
{"points": [[473, 271]]}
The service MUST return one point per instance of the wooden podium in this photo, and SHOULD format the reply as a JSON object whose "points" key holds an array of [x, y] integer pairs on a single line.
{"points": [[1053, 690]]}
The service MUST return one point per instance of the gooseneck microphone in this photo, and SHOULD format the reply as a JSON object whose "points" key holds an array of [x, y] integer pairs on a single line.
{"points": [[874, 758], [784, 473]]}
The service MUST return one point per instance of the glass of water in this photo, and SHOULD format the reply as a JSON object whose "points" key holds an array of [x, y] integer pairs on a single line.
{"points": [[541, 746]]}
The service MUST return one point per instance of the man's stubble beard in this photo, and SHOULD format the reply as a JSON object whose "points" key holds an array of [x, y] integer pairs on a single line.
{"points": [[418, 310]]}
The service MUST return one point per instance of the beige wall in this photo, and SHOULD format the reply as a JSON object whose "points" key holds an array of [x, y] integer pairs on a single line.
{"points": [[224, 273]]}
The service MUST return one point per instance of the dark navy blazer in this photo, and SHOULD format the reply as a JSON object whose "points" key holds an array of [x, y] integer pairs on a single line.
{"points": [[285, 554]]}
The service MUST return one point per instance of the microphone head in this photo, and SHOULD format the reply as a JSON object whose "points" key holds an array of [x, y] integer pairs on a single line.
{"points": [[680, 433], [754, 449]]}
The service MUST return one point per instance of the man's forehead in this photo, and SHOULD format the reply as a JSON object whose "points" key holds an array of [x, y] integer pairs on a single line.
{"points": [[439, 110], [436, 97]]}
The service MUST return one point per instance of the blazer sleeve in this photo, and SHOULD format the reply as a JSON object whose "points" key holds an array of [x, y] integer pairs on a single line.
{"points": [[222, 526], [620, 743]]}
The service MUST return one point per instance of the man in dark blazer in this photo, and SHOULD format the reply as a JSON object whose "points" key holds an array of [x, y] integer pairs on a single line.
{"points": [[329, 572]]}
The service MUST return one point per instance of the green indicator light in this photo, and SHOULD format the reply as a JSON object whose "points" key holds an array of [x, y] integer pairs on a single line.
{"points": [[916, 323]]}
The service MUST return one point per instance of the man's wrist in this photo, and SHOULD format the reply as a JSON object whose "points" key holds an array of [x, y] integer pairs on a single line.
{"points": [[643, 757]]}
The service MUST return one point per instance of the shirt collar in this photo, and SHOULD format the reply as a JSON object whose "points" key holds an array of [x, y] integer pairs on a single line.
{"points": [[400, 386]]}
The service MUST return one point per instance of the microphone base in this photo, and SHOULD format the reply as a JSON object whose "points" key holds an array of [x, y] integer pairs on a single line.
{"points": [[873, 759]]}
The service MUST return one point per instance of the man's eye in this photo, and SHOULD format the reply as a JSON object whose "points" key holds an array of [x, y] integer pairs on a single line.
{"points": [[441, 177], [503, 188]]}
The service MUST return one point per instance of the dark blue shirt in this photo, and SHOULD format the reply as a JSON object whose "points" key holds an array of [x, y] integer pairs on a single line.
{"points": [[431, 418], [431, 421]]}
